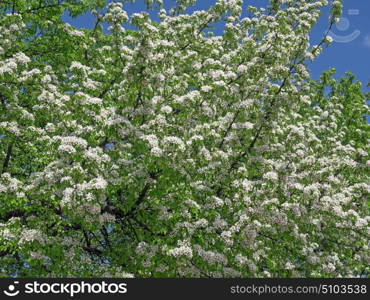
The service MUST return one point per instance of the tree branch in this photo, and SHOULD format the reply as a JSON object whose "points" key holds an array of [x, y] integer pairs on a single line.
{"points": [[7, 158]]}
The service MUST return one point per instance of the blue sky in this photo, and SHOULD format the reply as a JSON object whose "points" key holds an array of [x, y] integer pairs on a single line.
{"points": [[350, 50]]}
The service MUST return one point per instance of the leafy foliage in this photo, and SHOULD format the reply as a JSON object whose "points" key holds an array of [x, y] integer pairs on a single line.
{"points": [[168, 151]]}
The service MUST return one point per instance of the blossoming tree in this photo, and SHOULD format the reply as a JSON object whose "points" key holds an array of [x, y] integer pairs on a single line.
{"points": [[168, 151]]}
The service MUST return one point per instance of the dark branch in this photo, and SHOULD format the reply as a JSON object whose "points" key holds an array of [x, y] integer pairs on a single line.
{"points": [[7, 158]]}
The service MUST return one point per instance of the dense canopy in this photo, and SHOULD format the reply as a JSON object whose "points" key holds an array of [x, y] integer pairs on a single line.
{"points": [[169, 151]]}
